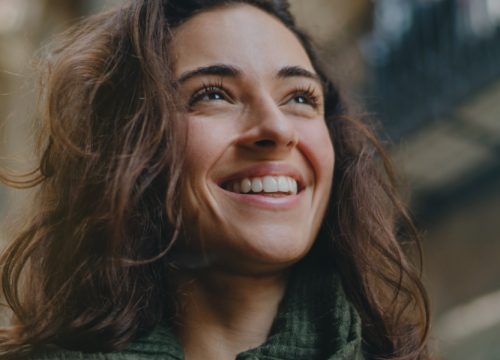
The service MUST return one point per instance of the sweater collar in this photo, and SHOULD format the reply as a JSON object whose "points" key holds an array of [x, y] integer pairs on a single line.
{"points": [[315, 321]]}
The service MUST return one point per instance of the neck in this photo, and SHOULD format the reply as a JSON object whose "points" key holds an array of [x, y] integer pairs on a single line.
{"points": [[224, 314]]}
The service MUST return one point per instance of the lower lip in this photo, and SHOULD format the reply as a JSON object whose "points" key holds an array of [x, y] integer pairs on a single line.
{"points": [[267, 202]]}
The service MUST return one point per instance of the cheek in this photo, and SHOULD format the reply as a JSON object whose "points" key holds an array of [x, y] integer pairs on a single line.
{"points": [[318, 147], [195, 194], [202, 145], [208, 139], [207, 142], [200, 150]]}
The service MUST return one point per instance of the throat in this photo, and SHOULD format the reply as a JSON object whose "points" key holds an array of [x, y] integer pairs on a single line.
{"points": [[222, 316]]}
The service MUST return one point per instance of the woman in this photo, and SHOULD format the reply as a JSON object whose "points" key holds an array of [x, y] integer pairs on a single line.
{"points": [[204, 195]]}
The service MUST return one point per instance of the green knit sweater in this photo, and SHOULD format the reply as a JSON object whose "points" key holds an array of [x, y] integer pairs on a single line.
{"points": [[314, 322]]}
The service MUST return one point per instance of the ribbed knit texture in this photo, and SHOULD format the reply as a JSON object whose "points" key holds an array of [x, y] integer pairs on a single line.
{"points": [[314, 322]]}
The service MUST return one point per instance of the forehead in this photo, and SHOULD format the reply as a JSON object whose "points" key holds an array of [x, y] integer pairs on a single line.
{"points": [[240, 35]]}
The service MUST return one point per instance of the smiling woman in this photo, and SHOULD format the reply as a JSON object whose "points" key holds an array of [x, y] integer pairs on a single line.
{"points": [[203, 194], [255, 124]]}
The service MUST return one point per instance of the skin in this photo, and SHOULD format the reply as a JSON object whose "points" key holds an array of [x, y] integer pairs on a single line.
{"points": [[258, 112]]}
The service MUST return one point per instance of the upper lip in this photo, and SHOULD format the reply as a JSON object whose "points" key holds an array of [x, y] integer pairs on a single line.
{"points": [[260, 170]]}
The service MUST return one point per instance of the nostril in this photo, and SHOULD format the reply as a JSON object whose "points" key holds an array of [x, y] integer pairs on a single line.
{"points": [[265, 143]]}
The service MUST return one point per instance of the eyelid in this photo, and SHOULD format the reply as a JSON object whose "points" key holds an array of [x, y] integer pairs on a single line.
{"points": [[309, 91], [313, 95], [206, 88]]}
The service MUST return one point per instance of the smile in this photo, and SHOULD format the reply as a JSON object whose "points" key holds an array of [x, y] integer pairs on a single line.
{"points": [[270, 185]]}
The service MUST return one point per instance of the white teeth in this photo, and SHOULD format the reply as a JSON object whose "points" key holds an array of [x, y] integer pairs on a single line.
{"points": [[266, 184], [257, 185], [270, 184], [283, 185], [293, 186], [246, 185]]}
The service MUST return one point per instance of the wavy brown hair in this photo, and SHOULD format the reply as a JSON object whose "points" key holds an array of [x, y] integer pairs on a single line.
{"points": [[89, 271]]}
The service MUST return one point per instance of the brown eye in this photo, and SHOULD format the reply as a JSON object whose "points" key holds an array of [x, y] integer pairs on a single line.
{"points": [[302, 99], [209, 93], [212, 94], [306, 97]]}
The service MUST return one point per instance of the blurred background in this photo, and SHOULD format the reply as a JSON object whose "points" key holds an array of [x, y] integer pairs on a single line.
{"points": [[427, 70]]}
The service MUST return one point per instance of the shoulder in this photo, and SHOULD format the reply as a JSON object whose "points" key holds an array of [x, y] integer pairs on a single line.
{"points": [[158, 345]]}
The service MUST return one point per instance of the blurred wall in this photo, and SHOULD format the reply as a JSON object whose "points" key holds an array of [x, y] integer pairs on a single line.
{"points": [[25, 27]]}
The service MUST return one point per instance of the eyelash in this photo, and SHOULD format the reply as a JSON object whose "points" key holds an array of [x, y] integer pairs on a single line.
{"points": [[207, 89], [308, 92]]}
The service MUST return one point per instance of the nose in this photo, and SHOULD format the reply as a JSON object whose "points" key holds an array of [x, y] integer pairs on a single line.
{"points": [[269, 129]]}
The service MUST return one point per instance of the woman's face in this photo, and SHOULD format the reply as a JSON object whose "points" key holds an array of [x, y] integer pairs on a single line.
{"points": [[259, 159]]}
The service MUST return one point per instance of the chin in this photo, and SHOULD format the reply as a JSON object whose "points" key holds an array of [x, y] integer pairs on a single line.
{"points": [[269, 253]]}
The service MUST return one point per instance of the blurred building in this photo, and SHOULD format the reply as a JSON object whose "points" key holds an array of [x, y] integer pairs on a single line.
{"points": [[435, 68], [429, 71]]}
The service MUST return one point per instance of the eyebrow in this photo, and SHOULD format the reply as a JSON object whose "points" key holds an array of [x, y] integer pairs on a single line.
{"points": [[217, 70], [232, 71], [297, 71]]}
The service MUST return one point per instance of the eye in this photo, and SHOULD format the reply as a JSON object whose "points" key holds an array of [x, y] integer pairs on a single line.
{"points": [[306, 97], [302, 99], [209, 93]]}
